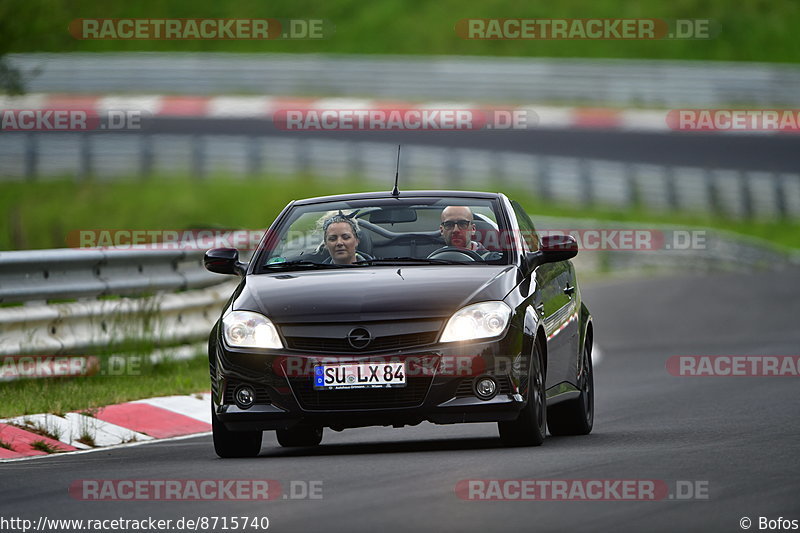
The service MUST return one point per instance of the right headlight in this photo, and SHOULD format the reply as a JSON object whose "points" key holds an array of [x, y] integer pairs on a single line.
{"points": [[477, 321], [246, 329]]}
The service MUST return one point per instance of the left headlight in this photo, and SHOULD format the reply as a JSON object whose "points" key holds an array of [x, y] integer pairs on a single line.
{"points": [[246, 329], [477, 321]]}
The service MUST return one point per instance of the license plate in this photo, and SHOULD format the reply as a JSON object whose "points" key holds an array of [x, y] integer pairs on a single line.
{"points": [[360, 376]]}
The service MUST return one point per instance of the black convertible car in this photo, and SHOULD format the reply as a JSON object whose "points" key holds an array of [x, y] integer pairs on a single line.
{"points": [[396, 308]]}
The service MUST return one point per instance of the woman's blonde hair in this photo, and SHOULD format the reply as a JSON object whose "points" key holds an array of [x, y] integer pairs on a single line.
{"points": [[341, 217]]}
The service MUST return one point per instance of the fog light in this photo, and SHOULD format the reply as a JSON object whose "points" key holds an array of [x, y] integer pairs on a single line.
{"points": [[244, 396], [485, 388]]}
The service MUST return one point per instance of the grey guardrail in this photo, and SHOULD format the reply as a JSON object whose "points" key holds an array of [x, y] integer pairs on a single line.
{"points": [[171, 320], [593, 82], [567, 180], [88, 273], [675, 248]]}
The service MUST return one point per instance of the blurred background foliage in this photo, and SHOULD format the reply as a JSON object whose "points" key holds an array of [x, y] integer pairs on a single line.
{"points": [[751, 30]]}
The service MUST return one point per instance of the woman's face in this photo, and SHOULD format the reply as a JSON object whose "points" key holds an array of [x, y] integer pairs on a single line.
{"points": [[341, 243]]}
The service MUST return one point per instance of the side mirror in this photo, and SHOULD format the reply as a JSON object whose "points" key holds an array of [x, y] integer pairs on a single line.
{"points": [[554, 248], [224, 261]]}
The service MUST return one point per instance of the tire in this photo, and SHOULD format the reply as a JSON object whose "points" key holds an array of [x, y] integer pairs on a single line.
{"points": [[576, 416], [229, 444], [530, 427], [300, 435]]}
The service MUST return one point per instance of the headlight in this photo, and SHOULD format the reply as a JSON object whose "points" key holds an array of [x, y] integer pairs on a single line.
{"points": [[246, 329], [477, 321]]}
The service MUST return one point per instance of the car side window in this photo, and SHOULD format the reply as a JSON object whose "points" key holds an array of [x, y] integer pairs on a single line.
{"points": [[529, 235]]}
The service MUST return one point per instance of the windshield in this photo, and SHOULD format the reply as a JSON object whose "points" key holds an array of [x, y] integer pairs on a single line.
{"points": [[359, 233]]}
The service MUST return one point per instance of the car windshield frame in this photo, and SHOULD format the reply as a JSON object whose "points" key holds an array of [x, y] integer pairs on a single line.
{"points": [[261, 264]]}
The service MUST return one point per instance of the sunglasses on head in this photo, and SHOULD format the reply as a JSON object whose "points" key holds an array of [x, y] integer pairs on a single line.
{"points": [[462, 224]]}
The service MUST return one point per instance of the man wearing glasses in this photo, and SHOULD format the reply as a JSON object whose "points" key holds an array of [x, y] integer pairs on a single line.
{"points": [[457, 228]]}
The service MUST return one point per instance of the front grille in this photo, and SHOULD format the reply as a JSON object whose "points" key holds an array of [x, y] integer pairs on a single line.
{"points": [[262, 394], [340, 345], [412, 395], [465, 387]]}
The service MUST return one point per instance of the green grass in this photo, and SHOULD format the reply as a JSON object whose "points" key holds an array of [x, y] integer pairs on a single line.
{"points": [[88, 393], [87, 439], [45, 447], [751, 30], [42, 214], [44, 431]]}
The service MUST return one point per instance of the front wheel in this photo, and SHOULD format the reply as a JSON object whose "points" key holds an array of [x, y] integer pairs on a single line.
{"points": [[230, 444], [530, 427], [576, 416]]}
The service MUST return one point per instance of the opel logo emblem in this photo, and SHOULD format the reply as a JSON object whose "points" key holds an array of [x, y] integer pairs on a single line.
{"points": [[359, 338]]}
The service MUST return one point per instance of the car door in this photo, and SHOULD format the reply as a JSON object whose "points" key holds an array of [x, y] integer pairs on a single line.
{"points": [[565, 323], [553, 304]]}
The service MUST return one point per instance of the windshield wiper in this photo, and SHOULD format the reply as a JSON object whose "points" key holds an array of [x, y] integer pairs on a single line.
{"points": [[396, 260], [303, 263]]}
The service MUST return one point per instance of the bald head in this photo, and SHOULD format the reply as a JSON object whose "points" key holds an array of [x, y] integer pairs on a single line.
{"points": [[457, 227], [456, 212]]}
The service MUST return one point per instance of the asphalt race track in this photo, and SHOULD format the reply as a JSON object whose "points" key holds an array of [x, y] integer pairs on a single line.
{"points": [[775, 153], [736, 436]]}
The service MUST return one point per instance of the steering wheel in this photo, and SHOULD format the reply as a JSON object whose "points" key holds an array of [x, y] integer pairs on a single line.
{"points": [[473, 255]]}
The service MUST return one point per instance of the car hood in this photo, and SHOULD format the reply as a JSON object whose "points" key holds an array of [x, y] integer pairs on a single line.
{"points": [[372, 293]]}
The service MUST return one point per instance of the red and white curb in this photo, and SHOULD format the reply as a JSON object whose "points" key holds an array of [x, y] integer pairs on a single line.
{"points": [[265, 107], [127, 423]]}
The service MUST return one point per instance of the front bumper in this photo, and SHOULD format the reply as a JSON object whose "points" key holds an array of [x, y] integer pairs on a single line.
{"points": [[439, 388]]}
